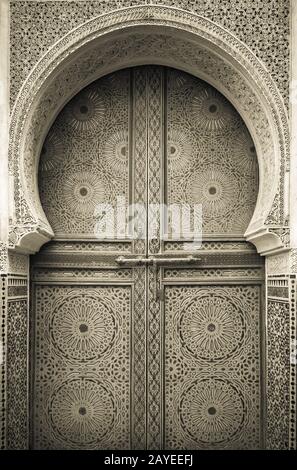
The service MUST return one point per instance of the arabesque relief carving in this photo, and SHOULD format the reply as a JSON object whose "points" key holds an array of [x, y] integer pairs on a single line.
{"points": [[163, 48]]}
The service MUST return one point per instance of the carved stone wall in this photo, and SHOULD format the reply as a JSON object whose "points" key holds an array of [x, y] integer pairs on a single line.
{"points": [[3, 362], [281, 362], [14, 329], [17, 359], [263, 26], [17, 328]]}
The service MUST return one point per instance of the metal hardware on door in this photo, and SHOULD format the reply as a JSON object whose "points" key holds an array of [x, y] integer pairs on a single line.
{"points": [[139, 261], [133, 262], [175, 261]]}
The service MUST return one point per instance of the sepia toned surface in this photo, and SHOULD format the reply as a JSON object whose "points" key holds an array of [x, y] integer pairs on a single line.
{"points": [[180, 341], [244, 51]]}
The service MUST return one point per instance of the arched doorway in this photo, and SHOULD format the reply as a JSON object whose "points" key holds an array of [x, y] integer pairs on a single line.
{"points": [[146, 341]]}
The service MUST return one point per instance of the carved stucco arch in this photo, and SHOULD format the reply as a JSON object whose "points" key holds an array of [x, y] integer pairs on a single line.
{"points": [[135, 36]]}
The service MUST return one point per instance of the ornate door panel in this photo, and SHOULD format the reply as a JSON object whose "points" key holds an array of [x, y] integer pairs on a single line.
{"points": [[136, 345], [212, 360], [212, 363], [89, 379], [82, 353], [211, 157]]}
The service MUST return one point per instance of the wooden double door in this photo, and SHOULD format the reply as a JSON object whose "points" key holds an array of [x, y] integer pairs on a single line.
{"points": [[141, 336]]}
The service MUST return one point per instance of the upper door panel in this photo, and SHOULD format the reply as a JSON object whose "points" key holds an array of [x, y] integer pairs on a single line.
{"points": [[211, 158], [149, 135], [85, 158]]}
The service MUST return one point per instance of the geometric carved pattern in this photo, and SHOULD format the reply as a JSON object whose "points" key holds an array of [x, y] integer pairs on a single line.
{"points": [[37, 26], [213, 326], [139, 172], [211, 111], [212, 411], [293, 365], [139, 354], [3, 369], [212, 246], [211, 158], [271, 30], [78, 331], [217, 161], [116, 151], [154, 362], [217, 273], [17, 358], [83, 410], [189, 58], [83, 114], [212, 31], [18, 264], [212, 367], [81, 396], [278, 380], [140, 147], [155, 87], [179, 150], [83, 162]]}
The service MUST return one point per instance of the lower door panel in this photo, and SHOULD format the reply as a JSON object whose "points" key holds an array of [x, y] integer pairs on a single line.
{"points": [[148, 357], [212, 367], [82, 367]]}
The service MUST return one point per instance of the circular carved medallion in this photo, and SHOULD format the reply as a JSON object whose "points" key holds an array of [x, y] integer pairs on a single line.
{"points": [[217, 189], [212, 411], [51, 152], [83, 328], [212, 327], [82, 412], [212, 111], [116, 151], [85, 111], [245, 151], [82, 192], [179, 150]]}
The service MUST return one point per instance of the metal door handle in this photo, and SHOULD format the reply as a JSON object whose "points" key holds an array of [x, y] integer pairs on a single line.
{"points": [[140, 261], [175, 261]]}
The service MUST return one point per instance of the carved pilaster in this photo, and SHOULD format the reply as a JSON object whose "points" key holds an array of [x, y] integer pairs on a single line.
{"points": [[281, 351]]}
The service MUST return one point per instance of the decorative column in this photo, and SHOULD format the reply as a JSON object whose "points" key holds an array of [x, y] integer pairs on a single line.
{"points": [[4, 116], [14, 409], [281, 300], [293, 216], [280, 344], [17, 352], [293, 116]]}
